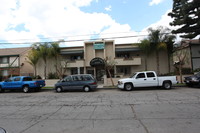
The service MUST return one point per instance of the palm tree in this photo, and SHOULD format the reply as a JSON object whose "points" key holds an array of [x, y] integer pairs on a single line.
{"points": [[55, 53], [43, 50], [33, 58], [158, 41], [144, 45]]}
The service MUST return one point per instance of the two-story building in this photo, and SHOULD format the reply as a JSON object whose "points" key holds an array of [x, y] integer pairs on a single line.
{"points": [[190, 49], [13, 61], [89, 58]]}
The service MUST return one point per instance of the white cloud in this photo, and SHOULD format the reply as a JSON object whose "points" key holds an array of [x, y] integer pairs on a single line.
{"points": [[155, 2], [52, 18], [109, 8]]}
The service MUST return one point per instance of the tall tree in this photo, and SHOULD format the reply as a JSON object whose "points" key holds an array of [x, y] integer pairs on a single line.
{"points": [[44, 52], [186, 14], [109, 65], [144, 45], [55, 53], [33, 57], [159, 39]]}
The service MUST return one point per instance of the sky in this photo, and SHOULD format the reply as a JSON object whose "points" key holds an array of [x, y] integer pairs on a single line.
{"points": [[23, 22]]}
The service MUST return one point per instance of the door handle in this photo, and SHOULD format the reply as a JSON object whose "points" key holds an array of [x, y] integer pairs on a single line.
{"points": [[145, 79], [154, 78]]}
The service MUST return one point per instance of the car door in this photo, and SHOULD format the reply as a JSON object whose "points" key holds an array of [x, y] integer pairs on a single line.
{"points": [[8, 83], [151, 80], [16, 83], [67, 83], [77, 82], [140, 80]]}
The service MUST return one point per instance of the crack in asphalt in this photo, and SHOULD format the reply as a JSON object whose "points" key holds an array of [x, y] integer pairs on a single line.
{"points": [[140, 121], [41, 120]]}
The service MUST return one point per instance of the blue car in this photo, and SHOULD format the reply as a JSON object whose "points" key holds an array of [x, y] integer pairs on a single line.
{"points": [[85, 82]]}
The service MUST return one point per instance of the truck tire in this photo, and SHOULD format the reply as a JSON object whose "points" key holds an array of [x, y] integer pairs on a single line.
{"points": [[26, 89], [167, 85], [128, 87], [1, 90]]}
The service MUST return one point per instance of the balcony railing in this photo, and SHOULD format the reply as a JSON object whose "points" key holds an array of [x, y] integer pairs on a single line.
{"points": [[128, 61], [7, 65]]}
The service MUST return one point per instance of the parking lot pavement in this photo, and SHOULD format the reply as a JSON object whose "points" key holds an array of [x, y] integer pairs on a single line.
{"points": [[105, 110]]}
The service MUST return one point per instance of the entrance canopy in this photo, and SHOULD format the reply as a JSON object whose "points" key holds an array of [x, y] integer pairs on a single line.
{"points": [[97, 62]]}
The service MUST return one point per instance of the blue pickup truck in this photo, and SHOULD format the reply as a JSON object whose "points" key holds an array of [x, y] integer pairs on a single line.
{"points": [[24, 83]]}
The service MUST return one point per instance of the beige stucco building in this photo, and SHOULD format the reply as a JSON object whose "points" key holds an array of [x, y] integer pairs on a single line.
{"points": [[13, 61], [128, 58]]}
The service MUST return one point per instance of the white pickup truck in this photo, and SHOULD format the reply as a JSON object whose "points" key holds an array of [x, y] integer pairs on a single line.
{"points": [[146, 79]]}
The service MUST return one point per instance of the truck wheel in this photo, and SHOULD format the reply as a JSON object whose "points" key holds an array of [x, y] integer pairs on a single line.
{"points": [[1, 90], [167, 85], [128, 87], [26, 89], [59, 89]]}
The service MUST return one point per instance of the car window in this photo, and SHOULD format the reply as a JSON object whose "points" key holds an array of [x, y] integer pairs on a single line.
{"points": [[27, 79], [67, 79], [75, 78], [17, 79], [87, 77], [150, 75], [141, 75]]}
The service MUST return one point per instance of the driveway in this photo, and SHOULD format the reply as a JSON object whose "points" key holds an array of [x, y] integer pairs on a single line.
{"points": [[102, 111]]}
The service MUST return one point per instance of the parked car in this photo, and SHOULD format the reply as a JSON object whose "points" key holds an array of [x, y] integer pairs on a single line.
{"points": [[192, 80], [25, 83], [146, 79], [85, 82]]}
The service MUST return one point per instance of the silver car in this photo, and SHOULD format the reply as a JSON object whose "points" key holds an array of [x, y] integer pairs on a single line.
{"points": [[85, 82]]}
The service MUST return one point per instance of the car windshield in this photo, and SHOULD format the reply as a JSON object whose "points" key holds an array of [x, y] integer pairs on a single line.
{"points": [[133, 75]]}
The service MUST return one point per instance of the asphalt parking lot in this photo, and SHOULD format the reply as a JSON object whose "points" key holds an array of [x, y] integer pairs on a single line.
{"points": [[102, 111]]}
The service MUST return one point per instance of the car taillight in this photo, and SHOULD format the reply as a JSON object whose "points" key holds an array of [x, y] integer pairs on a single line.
{"points": [[93, 83]]}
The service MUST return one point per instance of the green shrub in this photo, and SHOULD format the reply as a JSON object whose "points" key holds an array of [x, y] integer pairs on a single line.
{"points": [[52, 76]]}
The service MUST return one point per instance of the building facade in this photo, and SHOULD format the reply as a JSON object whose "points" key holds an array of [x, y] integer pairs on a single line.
{"points": [[190, 49], [13, 61], [127, 59]]}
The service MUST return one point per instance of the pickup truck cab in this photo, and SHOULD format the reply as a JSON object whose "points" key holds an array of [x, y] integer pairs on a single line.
{"points": [[146, 79], [25, 83]]}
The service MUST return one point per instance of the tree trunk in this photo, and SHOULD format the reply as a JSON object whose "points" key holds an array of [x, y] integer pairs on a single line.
{"points": [[158, 62], [145, 60], [180, 73], [35, 71], [110, 77], [45, 69]]}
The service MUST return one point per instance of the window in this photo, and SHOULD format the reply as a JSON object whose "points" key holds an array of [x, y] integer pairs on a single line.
{"points": [[75, 78], [68, 78], [86, 77], [124, 55], [27, 79], [4, 60], [150, 75], [76, 57], [17, 79], [4, 72], [141, 75]]}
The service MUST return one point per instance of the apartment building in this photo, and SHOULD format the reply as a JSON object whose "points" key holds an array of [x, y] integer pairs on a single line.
{"points": [[89, 58], [13, 61]]}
